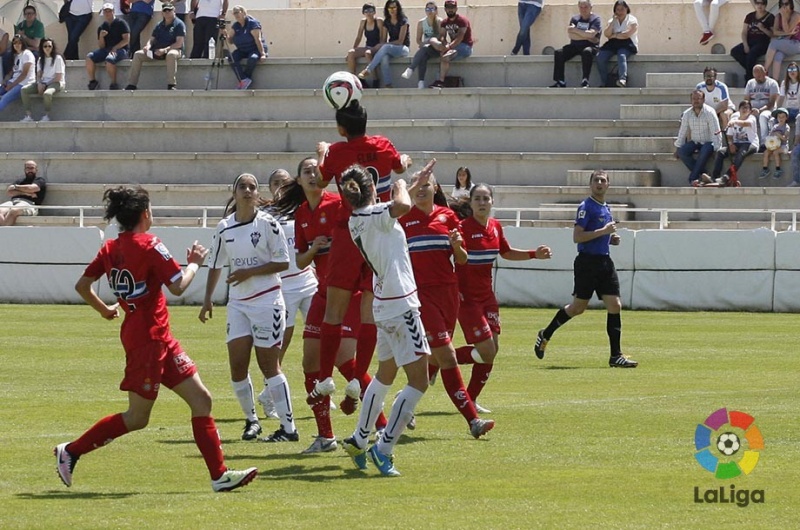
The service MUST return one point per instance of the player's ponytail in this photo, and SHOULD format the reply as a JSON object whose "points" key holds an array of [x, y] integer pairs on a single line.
{"points": [[357, 187], [126, 204]]}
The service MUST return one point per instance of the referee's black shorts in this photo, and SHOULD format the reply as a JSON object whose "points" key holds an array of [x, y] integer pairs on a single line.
{"points": [[595, 273]]}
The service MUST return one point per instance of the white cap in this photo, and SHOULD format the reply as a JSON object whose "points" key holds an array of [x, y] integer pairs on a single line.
{"points": [[108, 5]]}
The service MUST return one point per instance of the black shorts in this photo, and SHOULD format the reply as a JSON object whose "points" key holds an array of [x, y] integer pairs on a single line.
{"points": [[595, 273]]}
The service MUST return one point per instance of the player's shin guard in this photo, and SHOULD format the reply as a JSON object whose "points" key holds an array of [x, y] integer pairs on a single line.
{"points": [[402, 412], [207, 439], [614, 330], [101, 433], [279, 390], [480, 376], [454, 386], [330, 339], [372, 406]]}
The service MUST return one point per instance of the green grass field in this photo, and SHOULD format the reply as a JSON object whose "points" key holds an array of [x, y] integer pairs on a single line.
{"points": [[577, 444]]}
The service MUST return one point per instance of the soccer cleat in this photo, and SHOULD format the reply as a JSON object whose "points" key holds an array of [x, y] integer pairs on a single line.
{"points": [[407, 73], [620, 361], [321, 445], [541, 344], [358, 455], [478, 427], [65, 463], [323, 388], [251, 430], [232, 479], [265, 398], [281, 436], [481, 410], [384, 463], [352, 393], [348, 405]]}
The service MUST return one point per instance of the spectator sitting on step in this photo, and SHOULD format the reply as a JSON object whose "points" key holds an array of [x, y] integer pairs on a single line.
{"points": [[789, 94], [138, 19], [395, 38], [707, 23], [742, 133], [50, 79], [370, 28], [165, 44], [584, 37], [756, 33], [31, 30], [717, 95], [206, 17], [623, 42], [456, 36], [250, 45], [779, 130], [762, 93], [699, 133], [463, 184], [23, 73], [113, 37], [428, 31], [785, 37], [26, 192]]}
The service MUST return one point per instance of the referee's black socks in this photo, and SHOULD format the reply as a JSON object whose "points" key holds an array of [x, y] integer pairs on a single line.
{"points": [[614, 329], [559, 320]]}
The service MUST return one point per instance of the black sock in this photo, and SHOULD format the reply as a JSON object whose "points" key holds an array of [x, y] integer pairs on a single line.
{"points": [[559, 320], [614, 330]]}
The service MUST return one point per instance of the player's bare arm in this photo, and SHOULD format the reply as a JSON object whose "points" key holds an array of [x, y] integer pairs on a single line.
{"points": [[85, 289]]}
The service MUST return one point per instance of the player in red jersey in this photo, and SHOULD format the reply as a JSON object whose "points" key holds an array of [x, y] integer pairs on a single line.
{"points": [[479, 314], [433, 242], [315, 212], [347, 273], [137, 264]]}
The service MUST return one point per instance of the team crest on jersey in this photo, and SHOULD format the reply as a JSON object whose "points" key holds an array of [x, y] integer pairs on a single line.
{"points": [[442, 219], [322, 219], [581, 214], [255, 237], [163, 251]]}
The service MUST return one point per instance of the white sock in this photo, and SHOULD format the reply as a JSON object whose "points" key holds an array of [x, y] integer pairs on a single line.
{"points": [[279, 390], [401, 414], [244, 393], [372, 406]]}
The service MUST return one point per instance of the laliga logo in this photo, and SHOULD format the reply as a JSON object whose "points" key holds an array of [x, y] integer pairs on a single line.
{"points": [[727, 445]]}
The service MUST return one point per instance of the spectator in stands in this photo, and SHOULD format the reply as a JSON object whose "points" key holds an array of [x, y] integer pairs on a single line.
{"points": [[31, 30], [762, 93], [50, 79], [527, 13], [395, 38], [250, 45], [113, 37], [779, 129], [785, 37], [5, 47], [428, 30], [26, 192], [789, 93], [23, 73], [463, 184], [370, 28], [623, 42], [742, 133], [207, 16], [717, 95], [78, 19], [707, 23], [699, 133], [165, 44], [180, 10], [138, 19], [756, 33], [456, 36], [795, 163], [584, 37]]}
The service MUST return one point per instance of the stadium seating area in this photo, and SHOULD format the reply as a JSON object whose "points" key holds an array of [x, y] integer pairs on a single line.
{"points": [[534, 144]]}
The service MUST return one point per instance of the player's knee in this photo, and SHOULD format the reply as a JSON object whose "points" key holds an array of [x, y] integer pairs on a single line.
{"points": [[135, 421]]}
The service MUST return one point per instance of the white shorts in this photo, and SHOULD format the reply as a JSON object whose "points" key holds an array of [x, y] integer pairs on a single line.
{"points": [[297, 301], [16, 201], [264, 319], [402, 338]]}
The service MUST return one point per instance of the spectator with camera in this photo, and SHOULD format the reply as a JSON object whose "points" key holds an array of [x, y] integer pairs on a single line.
{"points": [[209, 18], [165, 45], [250, 46], [113, 37]]}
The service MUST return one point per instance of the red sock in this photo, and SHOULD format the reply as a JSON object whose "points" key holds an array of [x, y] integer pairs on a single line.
{"points": [[381, 422], [330, 336], [321, 409], [365, 348], [454, 385], [348, 369], [101, 433], [432, 371], [206, 436], [480, 375], [464, 355]]}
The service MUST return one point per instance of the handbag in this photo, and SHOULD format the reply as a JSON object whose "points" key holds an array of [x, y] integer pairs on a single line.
{"points": [[63, 13]]}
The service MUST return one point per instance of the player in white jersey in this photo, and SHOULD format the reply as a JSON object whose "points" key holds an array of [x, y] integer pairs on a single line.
{"points": [[401, 337], [252, 244]]}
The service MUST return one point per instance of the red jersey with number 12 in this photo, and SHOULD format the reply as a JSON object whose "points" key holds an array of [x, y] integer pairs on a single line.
{"points": [[137, 265], [483, 244]]}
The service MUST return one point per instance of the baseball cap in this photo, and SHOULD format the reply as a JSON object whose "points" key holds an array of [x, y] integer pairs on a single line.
{"points": [[779, 110], [450, 3], [108, 5], [167, 7]]}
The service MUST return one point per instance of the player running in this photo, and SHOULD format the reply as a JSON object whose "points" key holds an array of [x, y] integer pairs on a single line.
{"points": [[137, 264]]}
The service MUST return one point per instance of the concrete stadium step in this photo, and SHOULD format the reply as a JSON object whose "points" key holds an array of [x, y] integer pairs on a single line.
{"points": [[679, 79], [580, 177], [161, 194], [652, 144], [565, 211], [308, 104], [303, 136], [672, 111]]}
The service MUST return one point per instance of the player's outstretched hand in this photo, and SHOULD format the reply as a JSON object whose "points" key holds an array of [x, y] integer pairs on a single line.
{"points": [[422, 177], [197, 254]]}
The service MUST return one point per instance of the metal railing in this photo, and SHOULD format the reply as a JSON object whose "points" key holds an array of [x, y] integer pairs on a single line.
{"points": [[83, 209]]}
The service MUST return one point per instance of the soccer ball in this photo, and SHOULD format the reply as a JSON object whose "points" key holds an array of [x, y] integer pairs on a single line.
{"points": [[340, 89], [728, 443], [772, 142]]}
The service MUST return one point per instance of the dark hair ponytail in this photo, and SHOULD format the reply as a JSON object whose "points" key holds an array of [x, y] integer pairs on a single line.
{"points": [[126, 204]]}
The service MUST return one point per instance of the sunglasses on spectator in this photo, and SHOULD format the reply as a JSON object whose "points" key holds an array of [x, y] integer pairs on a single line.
{"points": [[368, 11], [430, 9], [791, 69], [47, 45]]}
